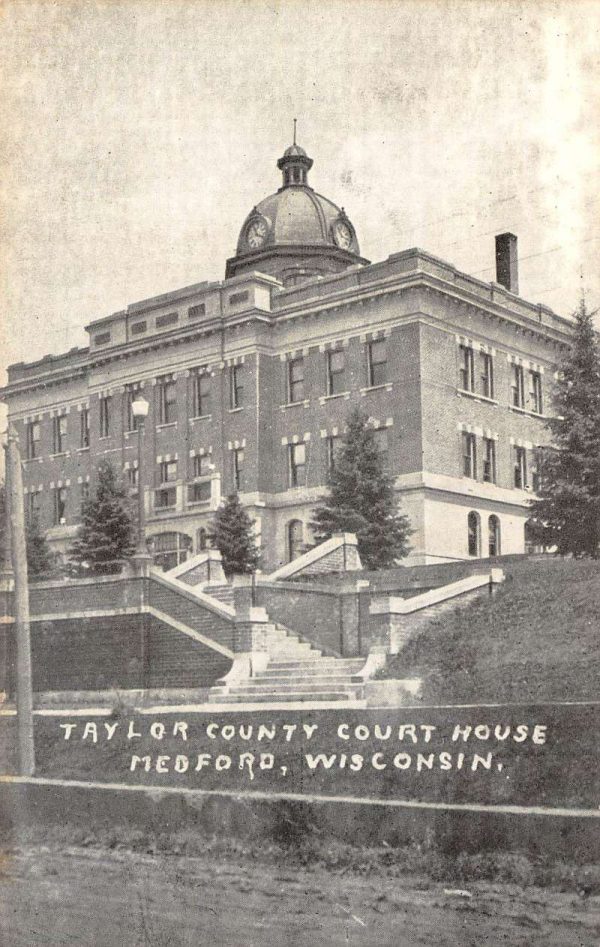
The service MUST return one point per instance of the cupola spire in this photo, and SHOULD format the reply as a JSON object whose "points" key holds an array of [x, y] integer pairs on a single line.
{"points": [[295, 165]]}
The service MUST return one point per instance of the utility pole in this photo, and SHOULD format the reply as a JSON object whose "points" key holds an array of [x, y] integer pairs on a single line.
{"points": [[19, 562]]}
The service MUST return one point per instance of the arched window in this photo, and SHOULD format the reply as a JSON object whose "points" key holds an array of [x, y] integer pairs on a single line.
{"points": [[170, 549], [295, 539], [474, 533], [535, 538], [202, 542], [494, 536]]}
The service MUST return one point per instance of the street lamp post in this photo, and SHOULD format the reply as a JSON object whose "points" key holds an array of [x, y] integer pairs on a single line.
{"points": [[139, 409]]}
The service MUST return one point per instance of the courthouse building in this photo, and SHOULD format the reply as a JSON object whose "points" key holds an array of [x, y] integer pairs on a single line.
{"points": [[250, 381]]}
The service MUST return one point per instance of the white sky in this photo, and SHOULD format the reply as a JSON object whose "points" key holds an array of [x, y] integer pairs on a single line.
{"points": [[137, 135]]}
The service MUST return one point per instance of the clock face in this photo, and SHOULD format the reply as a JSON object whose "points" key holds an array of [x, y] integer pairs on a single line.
{"points": [[342, 235], [256, 233]]}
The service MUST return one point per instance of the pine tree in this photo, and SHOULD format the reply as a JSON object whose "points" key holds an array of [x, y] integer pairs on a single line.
{"points": [[106, 535], [233, 536], [362, 500], [39, 556], [567, 512]]}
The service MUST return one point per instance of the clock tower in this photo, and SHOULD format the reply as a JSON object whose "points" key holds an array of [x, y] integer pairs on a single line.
{"points": [[296, 234]]}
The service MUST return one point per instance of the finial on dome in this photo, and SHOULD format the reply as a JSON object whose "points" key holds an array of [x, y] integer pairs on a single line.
{"points": [[295, 121]]}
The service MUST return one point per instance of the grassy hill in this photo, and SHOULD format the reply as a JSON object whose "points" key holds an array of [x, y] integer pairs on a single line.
{"points": [[537, 639]]}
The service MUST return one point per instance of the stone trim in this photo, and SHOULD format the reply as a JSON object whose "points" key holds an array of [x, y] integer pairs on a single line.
{"points": [[314, 555]]}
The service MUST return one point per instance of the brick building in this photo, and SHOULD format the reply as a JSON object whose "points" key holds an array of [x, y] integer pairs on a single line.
{"points": [[250, 381]]}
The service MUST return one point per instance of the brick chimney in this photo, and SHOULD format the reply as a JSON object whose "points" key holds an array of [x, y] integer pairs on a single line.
{"points": [[507, 263]]}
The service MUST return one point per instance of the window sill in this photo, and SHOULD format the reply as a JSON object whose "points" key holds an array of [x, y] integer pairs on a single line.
{"points": [[31, 460], [387, 386], [235, 410], [196, 503], [341, 394], [62, 453], [165, 509], [161, 427], [202, 417], [476, 396], [531, 414], [82, 450], [295, 404], [105, 437]]}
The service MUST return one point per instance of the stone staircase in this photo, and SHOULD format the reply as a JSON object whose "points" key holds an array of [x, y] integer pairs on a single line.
{"points": [[296, 671]]}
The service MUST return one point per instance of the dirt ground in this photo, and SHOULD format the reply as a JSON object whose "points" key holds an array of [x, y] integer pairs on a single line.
{"points": [[84, 897]]}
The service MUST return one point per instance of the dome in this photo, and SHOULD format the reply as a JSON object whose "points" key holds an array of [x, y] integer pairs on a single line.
{"points": [[295, 150], [297, 215], [295, 233]]}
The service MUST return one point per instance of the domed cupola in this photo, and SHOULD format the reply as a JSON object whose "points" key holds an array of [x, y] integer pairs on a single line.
{"points": [[295, 234]]}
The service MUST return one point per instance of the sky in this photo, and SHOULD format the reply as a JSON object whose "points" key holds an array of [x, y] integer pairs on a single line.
{"points": [[138, 134]]}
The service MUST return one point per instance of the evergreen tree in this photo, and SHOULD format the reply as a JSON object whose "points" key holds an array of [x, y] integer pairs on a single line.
{"points": [[107, 534], [362, 500], [567, 512], [39, 556], [232, 535]]}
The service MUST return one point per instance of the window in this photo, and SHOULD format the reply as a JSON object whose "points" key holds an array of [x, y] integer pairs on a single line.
{"points": [[376, 363], [59, 434], [102, 338], [489, 460], [540, 455], [132, 478], [168, 471], [380, 437], [202, 465], [201, 395], [166, 394], [535, 392], [105, 416], [295, 380], [517, 386], [32, 439], [33, 506], [131, 393], [169, 319], [520, 468], [467, 368], [336, 372], [202, 541], [165, 498], [332, 446], [170, 549], [196, 312], [84, 427], [238, 466], [138, 328], [474, 533], [494, 536], [84, 496], [297, 454], [294, 539], [236, 391], [236, 298], [199, 492], [60, 506], [469, 456], [487, 375]]}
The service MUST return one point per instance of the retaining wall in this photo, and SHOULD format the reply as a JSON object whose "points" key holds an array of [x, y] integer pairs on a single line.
{"points": [[291, 820]]}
